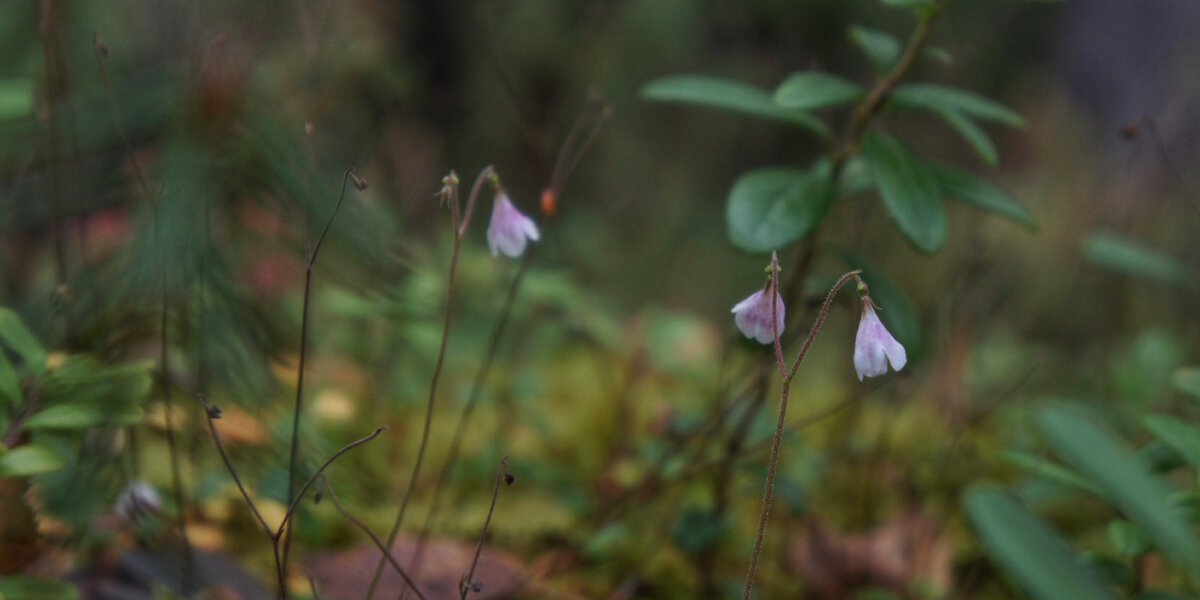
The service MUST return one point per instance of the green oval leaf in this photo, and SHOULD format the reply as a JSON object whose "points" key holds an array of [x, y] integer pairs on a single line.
{"points": [[32, 587], [18, 338], [909, 190], [1187, 381], [29, 459], [938, 98], [726, 94], [810, 90], [1128, 539], [971, 189], [773, 207], [880, 47], [1050, 471], [1141, 495], [10, 385], [1119, 253], [1029, 551], [80, 415], [1183, 438], [974, 135]]}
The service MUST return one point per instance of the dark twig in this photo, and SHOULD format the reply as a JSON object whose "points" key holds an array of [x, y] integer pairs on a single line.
{"points": [[307, 484], [308, 269], [468, 582], [211, 412], [387, 555]]}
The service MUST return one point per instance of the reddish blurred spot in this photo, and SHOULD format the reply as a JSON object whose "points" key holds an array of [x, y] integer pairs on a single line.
{"points": [[549, 202]]}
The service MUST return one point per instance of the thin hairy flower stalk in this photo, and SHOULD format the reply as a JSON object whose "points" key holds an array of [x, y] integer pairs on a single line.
{"points": [[578, 140], [461, 227], [387, 555], [450, 192], [468, 582], [776, 442], [293, 453], [460, 429]]}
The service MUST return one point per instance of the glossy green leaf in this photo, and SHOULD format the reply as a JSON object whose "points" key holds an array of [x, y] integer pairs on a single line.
{"points": [[811, 90], [726, 94], [896, 309], [1142, 496], [773, 207], [1182, 437], [1128, 539], [971, 189], [974, 135], [1187, 381], [1108, 569], [80, 415], [909, 190], [19, 339], [1119, 253], [939, 98], [1026, 549], [855, 177], [32, 587], [1050, 471], [29, 459], [880, 47]]}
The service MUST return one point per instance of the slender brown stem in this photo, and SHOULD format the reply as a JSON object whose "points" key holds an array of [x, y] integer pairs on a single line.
{"points": [[211, 412], [468, 582], [387, 555], [773, 462], [293, 452], [450, 191], [487, 172], [866, 110], [307, 484]]}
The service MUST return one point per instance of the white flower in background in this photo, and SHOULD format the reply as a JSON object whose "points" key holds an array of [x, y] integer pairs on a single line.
{"points": [[508, 228], [753, 316], [874, 347], [135, 501]]}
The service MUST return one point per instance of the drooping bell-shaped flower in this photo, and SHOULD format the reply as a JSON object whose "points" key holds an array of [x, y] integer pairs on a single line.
{"points": [[509, 228], [874, 347], [753, 315]]}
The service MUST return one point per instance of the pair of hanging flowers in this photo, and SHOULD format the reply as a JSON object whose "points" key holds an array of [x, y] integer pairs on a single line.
{"points": [[761, 317]]}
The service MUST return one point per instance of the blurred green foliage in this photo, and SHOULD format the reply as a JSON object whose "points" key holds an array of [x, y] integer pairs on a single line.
{"points": [[178, 201]]}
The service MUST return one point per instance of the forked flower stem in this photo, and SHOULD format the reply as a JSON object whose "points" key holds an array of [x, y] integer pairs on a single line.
{"points": [[293, 453], [783, 402], [450, 190]]}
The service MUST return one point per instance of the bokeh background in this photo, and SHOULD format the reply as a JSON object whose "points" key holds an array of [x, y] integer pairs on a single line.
{"points": [[185, 155]]}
